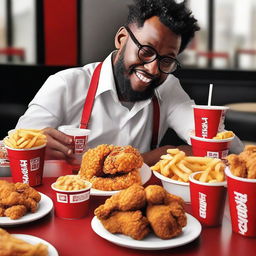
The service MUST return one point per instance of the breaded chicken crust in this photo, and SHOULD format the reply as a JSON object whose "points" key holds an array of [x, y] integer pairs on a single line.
{"points": [[122, 159], [130, 223], [130, 199], [116, 182]]}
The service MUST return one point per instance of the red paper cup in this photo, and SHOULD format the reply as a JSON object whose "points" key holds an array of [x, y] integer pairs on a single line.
{"points": [[79, 141], [242, 194], [207, 200], [27, 164], [209, 120], [209, 147], [73, 204]]}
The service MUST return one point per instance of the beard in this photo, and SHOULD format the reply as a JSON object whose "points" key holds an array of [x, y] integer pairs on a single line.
{"points": [[123, 84]]}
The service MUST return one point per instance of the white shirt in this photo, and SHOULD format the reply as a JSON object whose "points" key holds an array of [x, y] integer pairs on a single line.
{"points": [[61, 99]]}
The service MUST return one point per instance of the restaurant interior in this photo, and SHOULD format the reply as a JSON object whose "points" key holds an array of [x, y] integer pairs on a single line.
{"points": [[41, 37]]}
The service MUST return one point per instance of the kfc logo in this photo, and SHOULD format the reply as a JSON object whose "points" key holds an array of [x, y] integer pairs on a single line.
{"points": [[34, 164], [213, 154], [24, 171], [78, 198], [62, 198], [204, 127], [202, 205], [241, 207]]}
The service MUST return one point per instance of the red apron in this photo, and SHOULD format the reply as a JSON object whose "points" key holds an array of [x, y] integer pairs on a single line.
{"points": [[88, 104]]}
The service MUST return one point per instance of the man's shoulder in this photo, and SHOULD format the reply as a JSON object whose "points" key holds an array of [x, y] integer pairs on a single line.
{"points": [[86, 70]]}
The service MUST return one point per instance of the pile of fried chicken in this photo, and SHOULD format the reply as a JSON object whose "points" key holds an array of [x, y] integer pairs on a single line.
{"points": [[136, 211], [110, 167], [244, 164], [16, 199], [12, 246]]}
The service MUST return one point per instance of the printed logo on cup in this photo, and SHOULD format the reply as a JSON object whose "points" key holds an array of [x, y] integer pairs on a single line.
{"points": [[202, 205], [62, 198], [224, 153], [213, 154], [205, 127], [24, 171], [241, 207], [78, 198], [35, 164], [79, 145]]}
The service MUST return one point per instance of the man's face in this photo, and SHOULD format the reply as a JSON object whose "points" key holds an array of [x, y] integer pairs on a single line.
{"points": [[136, 81]]}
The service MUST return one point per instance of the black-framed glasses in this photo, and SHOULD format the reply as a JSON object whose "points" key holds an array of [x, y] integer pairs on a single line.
{"points": [[147, 54]]}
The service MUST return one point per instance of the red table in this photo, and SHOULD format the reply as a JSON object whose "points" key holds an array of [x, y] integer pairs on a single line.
{"points": [[76, 237]]}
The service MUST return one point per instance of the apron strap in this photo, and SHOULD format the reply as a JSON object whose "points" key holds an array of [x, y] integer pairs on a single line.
{"points": [[156, 119], [88, 104]]}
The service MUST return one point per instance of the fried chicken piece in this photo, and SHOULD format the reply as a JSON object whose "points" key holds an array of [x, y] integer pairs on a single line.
{"points": [[27, 191], [10, 199], [156, 194], [132, 198], [162, 221], [31, 204], [116, 182], [15, 212], [12, 246], [249, 157], [130, 223], [122, 159], [93, 160], [237, 165]]}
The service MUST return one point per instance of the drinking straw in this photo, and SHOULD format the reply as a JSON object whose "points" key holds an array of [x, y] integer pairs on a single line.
{"points": [[210, 95]]}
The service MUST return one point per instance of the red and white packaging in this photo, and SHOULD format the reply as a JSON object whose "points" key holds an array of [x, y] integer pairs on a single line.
{"points": [[207, 200], [210, 147], [27, 164], [242, 204], [79, 141], [71, 204], [209, 120]]}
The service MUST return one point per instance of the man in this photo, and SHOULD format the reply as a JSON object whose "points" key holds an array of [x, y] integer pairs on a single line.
{"points": [[122, 113]]}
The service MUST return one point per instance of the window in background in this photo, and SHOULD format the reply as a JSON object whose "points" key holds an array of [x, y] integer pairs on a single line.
{"points": [[227, 38]]}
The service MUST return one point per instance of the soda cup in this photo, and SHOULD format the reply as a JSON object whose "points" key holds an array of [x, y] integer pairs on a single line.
{"points": [[79, 141], [209, 120]]}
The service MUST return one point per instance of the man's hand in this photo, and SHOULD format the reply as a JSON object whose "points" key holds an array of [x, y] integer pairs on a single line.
{"points": [[152, 157], [58, 145]]}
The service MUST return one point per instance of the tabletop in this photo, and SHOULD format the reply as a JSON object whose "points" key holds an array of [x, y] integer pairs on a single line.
{"points": [[76, 237]]}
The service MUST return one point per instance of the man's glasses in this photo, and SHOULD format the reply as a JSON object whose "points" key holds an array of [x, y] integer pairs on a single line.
{"points": [[147, 54]]}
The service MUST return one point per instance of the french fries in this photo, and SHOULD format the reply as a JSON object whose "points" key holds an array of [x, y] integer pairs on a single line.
{"points": [[177, 166], [224, 135], [25, 138]]}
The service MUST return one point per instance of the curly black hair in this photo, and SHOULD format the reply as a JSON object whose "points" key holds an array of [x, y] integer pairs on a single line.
{"points": [[176, 16]]}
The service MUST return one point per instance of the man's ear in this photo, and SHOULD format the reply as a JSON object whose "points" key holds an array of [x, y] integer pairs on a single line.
{"points": [[120, 37]]}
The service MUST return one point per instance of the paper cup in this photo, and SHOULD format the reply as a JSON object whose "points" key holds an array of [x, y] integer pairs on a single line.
{"points": [[27, 164], [207, 200], [209, 147], [242, 204], [79, 141], [209, 120], [72, 204]]}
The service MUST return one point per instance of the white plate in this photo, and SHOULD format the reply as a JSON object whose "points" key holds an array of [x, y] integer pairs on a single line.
{"points": [[151, 242], [35, 240], [145, 174], [45, 205]]}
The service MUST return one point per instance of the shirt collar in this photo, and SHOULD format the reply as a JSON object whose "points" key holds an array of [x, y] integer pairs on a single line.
{"points": [[106, 80]]}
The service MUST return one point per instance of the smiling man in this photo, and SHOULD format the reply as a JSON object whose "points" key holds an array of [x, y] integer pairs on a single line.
{"points": [[134, 87]]}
